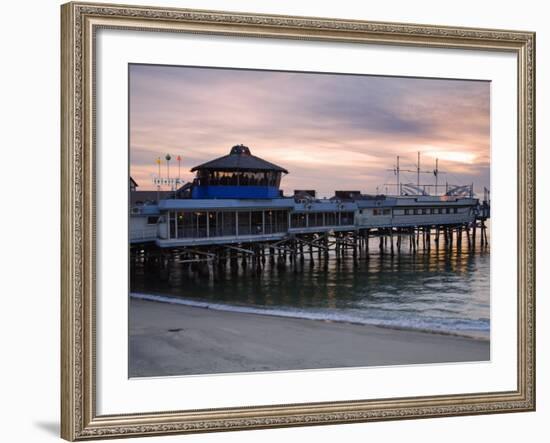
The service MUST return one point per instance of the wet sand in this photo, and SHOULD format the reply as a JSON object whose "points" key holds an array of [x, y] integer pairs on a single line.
{"points": [[169, 339]]}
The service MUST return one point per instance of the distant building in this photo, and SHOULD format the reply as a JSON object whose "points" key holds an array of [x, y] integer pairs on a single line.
{"points": [[133, 184], [302, 195], [139, 198], [347, 195]]}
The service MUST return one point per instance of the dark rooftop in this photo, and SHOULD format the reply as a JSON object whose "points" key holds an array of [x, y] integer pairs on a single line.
{"points": [[143, 197], [148, 197], [239, 159]]}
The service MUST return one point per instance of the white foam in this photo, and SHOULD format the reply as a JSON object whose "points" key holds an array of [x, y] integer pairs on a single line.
{"points": [[468, 330]]}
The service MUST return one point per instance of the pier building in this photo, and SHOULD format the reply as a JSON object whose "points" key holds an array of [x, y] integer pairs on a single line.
{"points": [[235, 203], [238, 175]]}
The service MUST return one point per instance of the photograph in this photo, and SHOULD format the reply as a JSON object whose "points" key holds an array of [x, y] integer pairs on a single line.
{"points": [[288, 220], [282, 218]]}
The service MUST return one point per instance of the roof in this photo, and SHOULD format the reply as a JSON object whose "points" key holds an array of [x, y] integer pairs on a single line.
{"points": [[205, 204], [240, 159], [414, 201], [325, 206], [147, 196]]}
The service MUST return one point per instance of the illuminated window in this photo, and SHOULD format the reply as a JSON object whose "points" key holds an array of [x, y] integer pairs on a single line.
{"points": [[298, 220]]}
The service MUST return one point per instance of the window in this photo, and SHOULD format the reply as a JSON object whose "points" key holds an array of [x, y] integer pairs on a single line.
{"points": [[281, 218], [407, 211], [346, 218], [455, 210], [415, 211], [440, 211], [190, 225], [315, 219], [201, 221], [236, 178], [172, 223], [376, 212], [447, 210], [277, 221], [432, 210], [424, 211], [213, 224], [386, 212], [298, 221], [331, 219], [256, 223], [228, 223], [244, 223], [152, 220]]}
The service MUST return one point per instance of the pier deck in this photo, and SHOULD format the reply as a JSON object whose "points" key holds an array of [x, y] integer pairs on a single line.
{"points": [[205, 255]]}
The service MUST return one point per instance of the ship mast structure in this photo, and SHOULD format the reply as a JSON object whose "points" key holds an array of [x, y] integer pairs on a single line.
{"points": [[419, 188]]}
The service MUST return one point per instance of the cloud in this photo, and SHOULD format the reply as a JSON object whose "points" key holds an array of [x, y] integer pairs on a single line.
{"points": [[331, 131]]}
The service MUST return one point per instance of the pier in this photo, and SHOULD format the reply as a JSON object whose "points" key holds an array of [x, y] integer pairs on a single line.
{"points": [[235, 216], [294, 250]]}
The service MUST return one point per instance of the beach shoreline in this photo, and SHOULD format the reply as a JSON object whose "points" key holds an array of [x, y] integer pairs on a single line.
{"points": [[176, 339], [264, 311]]}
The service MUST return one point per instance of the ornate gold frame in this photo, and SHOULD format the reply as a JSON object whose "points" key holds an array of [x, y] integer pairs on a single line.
{"points": [[79, 420]]}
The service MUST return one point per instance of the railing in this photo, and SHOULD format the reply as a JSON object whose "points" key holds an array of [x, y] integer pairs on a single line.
{"points": [[146, 234], [194, 232], [229, 231], [276, 228]]}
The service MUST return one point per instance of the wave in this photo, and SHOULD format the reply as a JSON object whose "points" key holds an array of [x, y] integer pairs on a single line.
{"points": [[478, 329]]}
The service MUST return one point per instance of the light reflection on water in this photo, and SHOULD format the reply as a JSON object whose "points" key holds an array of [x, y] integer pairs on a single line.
{"points": [[440, 290]]}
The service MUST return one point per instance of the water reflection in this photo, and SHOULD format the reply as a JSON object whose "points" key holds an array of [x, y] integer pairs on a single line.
{"points": [[438, 290]]}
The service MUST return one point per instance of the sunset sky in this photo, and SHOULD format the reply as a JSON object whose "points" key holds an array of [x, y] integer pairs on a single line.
{"points": [[330, 131]]}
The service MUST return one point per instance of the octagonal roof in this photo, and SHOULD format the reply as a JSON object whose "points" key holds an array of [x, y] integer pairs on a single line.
{"points": [[239, 159]]}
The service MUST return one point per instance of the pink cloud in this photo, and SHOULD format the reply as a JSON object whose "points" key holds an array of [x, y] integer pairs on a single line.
{"points": [[330, 131]]}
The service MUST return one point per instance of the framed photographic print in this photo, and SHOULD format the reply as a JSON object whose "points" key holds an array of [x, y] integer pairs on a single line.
{"points": [[282, 221]]}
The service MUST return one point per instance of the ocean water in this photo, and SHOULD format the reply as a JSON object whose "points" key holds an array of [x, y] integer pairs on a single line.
{"points": [[440, 291]]}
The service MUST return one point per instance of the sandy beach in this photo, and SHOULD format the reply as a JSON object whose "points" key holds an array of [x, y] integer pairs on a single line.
{"points": [[169, 339]]}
